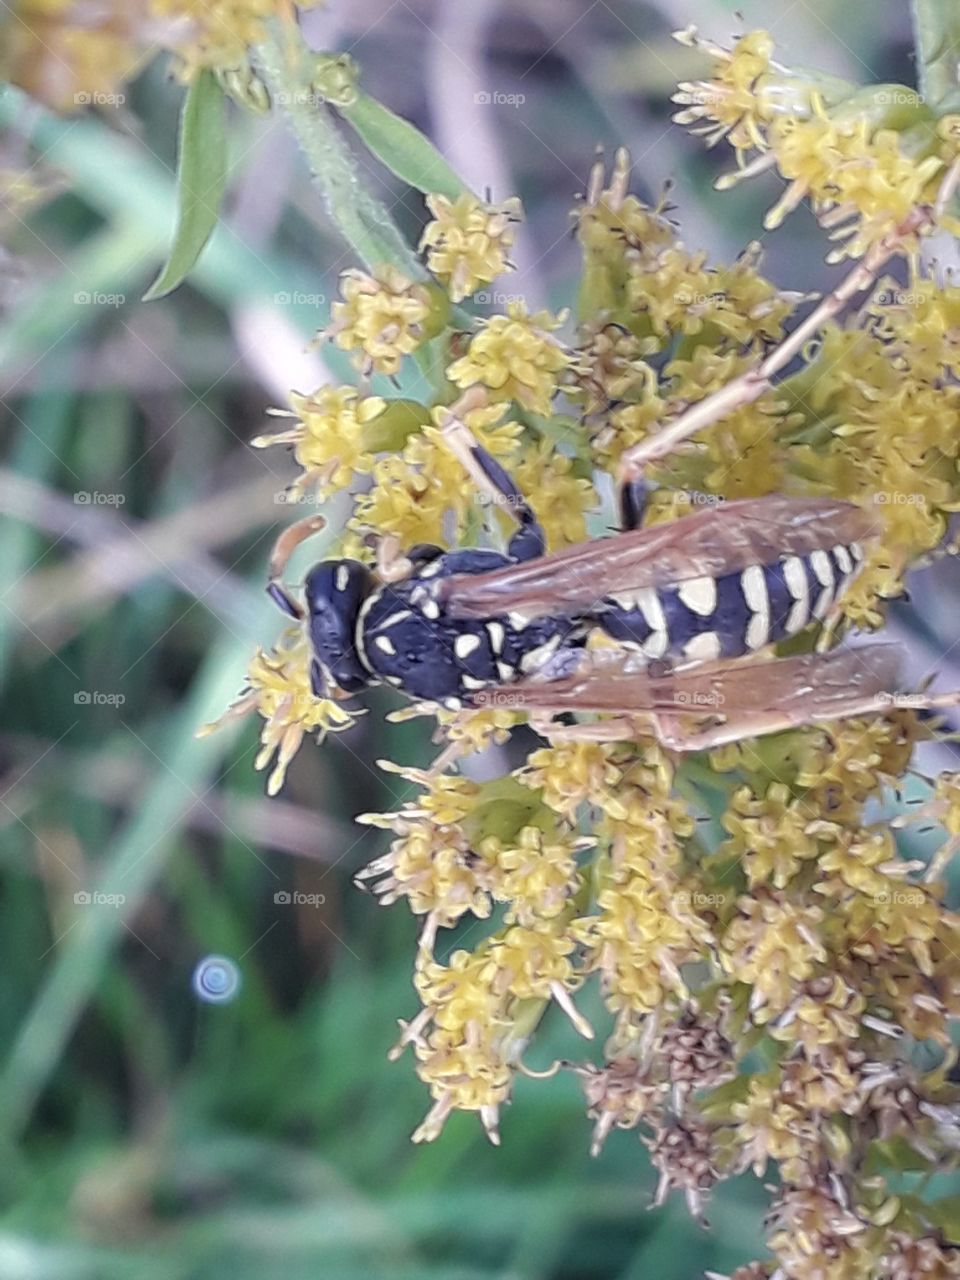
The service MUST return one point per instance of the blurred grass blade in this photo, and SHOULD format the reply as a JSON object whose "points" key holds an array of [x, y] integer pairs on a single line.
{"points": [[201, 178], [131, 865], [402, 148]]}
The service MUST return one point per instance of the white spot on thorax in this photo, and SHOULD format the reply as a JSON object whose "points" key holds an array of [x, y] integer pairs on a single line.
{"points": [[463, 646], [394, 618], [342, 577], [497, 633], [385, 645]]}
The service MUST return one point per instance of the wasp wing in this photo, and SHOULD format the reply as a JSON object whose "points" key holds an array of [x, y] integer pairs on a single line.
{"points": [[800, 689], [709, 543]]}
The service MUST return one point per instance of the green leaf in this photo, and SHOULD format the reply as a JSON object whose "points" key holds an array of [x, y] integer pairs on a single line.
{"points": [[201, 178], [896, 1153], [946, 1215], [402, 148], [936, 29]]}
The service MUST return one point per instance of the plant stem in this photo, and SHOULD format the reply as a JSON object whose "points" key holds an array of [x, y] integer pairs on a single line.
{"points": [[936, 34], [286, 65], [749, 386]]}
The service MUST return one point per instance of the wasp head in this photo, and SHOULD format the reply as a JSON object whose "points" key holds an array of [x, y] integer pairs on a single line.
{"points": [[334, 593]]}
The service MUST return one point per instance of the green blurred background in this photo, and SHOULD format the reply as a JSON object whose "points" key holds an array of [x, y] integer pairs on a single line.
{"points": [[145, 1133]]}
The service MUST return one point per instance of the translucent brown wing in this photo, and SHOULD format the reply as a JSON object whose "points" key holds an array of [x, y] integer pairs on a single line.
{"points": [[710, 542], [799, 689]]}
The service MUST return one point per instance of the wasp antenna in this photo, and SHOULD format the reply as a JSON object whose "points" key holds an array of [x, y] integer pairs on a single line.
{"points": [[289, 540], [283, 600]]}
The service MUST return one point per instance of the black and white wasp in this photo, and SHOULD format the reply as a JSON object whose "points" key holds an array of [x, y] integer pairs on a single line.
{"points": [[687, 603]]}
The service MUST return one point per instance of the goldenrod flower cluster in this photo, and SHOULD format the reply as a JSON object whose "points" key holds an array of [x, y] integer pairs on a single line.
{"points": [[467, 242], [738, 934], [863, 157], [70, 55]]}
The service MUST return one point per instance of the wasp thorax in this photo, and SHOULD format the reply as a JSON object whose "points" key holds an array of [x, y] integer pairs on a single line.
{"points": [[334, 592]]}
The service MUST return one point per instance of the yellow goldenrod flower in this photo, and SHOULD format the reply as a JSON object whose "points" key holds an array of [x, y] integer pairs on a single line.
{"points": [[825, 1012], [570, 774], [382, 318], [560, 498], [772, 944], [515, 357], [849, 170], [413, 493], [278, 689], [70, 60], [536, 876], [772, 835], [770, 1127], [330, 438], [741, 101], [215, 33], [467, 241]]}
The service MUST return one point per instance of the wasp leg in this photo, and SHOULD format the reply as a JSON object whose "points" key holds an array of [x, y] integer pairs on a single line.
{"points": [[613, 729], [282, 598], [634, 491], [675, 733], [491, 478], [318, 680], [422, 553]]}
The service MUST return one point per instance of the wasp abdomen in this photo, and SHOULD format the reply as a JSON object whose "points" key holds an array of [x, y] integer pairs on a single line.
{"points": [[705, 618]]}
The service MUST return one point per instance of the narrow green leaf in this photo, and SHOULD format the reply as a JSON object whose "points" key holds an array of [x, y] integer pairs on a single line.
{"points": [[201, 178], [936, 30], [402, 148]]}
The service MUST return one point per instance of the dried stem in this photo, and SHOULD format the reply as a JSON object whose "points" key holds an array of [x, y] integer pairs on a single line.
{"points": [[752, 384]]}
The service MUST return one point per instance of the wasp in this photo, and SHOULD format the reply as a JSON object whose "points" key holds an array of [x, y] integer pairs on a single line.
{"points": [[688, 603]]}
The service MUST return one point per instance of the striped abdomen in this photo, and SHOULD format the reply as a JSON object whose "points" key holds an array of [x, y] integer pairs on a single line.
{"points": [[705, 618]]}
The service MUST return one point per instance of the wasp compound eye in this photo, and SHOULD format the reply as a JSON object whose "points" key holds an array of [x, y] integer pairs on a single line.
{"points": [[216, 980]]}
